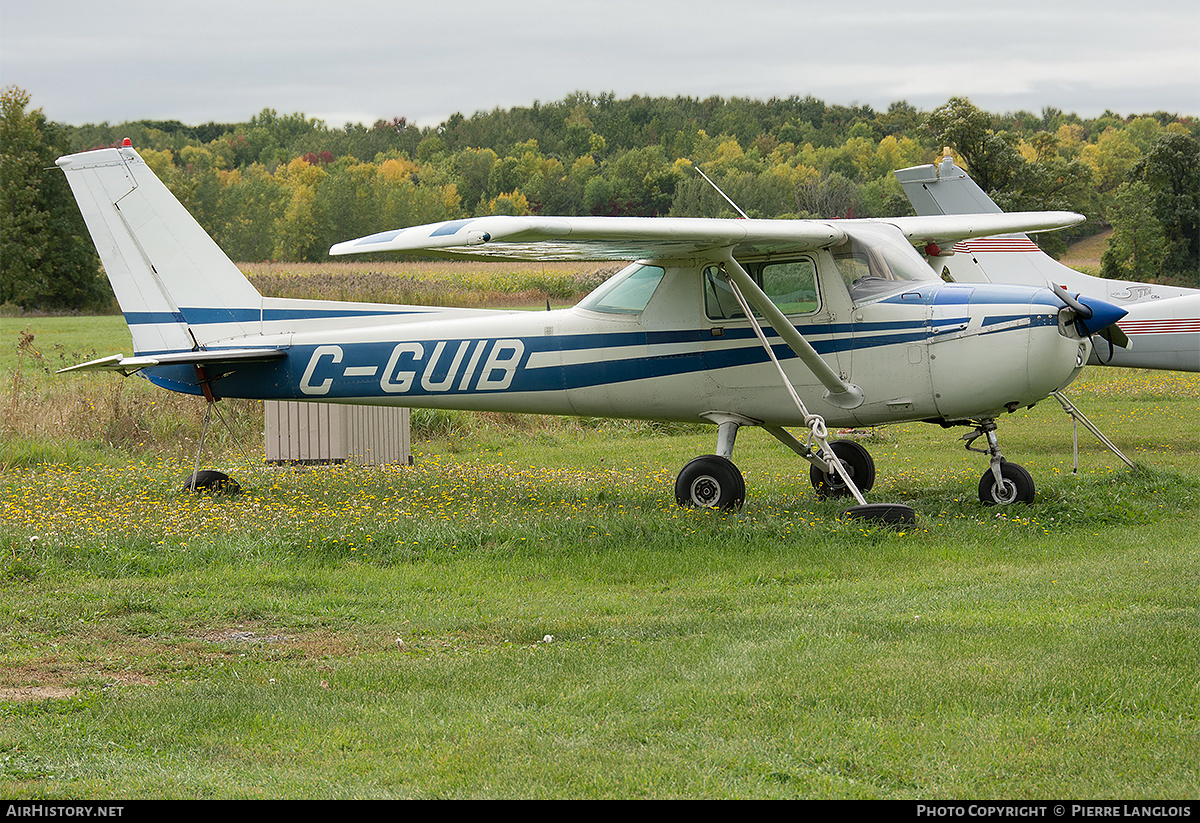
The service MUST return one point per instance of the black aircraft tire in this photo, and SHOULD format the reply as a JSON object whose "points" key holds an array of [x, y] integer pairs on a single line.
{"points": [[711, 482], [859, 465], [1017, 486]]}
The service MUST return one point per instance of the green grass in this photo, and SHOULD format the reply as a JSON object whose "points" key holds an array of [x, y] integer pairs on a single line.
{"points": [[381, 632]]}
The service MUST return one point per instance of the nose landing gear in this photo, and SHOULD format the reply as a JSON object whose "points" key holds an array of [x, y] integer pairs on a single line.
{"points": [[1003, 483]]}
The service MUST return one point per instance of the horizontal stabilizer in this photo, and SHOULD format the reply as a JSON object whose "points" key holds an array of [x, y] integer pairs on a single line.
{"points": [[128, 365]]}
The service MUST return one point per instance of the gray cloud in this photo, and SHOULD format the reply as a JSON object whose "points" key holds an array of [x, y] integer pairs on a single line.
{"points": [[361, 60]]}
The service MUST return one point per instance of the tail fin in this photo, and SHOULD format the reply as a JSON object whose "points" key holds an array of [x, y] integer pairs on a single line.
{"points": [[944, 189], [1010, 258], [177, 289]]}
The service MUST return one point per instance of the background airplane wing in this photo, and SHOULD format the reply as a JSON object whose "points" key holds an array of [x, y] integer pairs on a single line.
{"points": [[950, 228]]}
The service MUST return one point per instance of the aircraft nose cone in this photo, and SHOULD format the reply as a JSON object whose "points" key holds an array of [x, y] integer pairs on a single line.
{"points": [[1103, 315]]}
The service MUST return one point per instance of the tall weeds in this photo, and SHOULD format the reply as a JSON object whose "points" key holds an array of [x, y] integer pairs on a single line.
{"points": [[424, 283], [107, 411]]}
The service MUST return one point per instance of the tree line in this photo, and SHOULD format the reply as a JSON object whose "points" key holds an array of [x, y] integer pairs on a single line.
{"points": [[286, 187]]}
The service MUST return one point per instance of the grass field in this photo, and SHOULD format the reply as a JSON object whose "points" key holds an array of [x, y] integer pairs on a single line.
{"points": [[526, 613]]}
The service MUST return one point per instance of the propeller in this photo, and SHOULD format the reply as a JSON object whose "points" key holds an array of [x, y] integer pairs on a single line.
{"points": [[1094, 316]]}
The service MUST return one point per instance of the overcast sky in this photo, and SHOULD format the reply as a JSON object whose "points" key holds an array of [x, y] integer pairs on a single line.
{"points": [[89, 61]]}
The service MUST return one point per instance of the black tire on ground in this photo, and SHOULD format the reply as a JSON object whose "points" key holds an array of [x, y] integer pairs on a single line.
{"points": [[712, 482]]}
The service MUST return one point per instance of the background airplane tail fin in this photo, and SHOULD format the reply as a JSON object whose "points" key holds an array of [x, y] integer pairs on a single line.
{"points": [[177, 289], [1012, 258], [944, 189]]}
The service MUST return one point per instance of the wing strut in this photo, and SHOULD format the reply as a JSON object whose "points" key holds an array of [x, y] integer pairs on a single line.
{"points": [[840, 393], [890, 514], [815, 422]]}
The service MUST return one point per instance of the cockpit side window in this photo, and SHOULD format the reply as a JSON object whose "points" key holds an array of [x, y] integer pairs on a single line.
{"points": [[790, 284], [875, 260]]}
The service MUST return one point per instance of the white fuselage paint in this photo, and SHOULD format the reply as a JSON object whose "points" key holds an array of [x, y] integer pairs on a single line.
{"points": [[926, 350]]}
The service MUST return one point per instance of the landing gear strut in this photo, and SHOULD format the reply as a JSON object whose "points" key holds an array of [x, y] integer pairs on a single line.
{"points": [[1004, 483], [708, 481], [841, 468], [712, 481]]}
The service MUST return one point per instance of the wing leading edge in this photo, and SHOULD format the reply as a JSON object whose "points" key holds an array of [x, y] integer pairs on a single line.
{"points": [[595, 238]]}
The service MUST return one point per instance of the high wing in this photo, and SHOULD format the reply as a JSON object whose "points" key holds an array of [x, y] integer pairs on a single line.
{"points": [[951, 228], [646, 238], [596, 238]]}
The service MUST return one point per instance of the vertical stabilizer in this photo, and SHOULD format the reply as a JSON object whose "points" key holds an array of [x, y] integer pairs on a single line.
{"points": [[177, 289], [944, 189]]}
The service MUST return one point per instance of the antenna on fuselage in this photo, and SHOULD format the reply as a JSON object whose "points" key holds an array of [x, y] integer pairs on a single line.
{"points": [[708, 180]]}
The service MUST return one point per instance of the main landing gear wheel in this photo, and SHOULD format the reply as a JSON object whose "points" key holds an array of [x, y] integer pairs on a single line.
{"points": [[710, 482], [1016, 486], [858, 464]]}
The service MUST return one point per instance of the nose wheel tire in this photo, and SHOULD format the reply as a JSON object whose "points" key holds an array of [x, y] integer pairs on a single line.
{"points": [[858, 464], [710, 482], [1016, 486]]}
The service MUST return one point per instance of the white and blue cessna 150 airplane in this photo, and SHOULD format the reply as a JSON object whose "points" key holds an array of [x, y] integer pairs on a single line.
{"points": [[772, 323]]}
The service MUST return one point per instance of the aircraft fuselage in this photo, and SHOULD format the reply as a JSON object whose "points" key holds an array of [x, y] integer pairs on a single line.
{"points": [[921, 350]]}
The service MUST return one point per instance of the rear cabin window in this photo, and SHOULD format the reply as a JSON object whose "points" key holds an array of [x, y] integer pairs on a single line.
{"points": [[791, 285]]}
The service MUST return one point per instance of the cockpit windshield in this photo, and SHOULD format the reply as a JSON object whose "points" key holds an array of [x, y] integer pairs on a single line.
{"points": [[626, 292], [878, 259]]}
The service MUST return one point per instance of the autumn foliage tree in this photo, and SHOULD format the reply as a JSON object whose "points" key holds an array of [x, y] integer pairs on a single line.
{"points": [[48, 260], [287, 187]]}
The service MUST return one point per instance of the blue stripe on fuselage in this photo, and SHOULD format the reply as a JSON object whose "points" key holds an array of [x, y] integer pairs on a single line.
{"points": [[461, 366], [206, 316]]}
